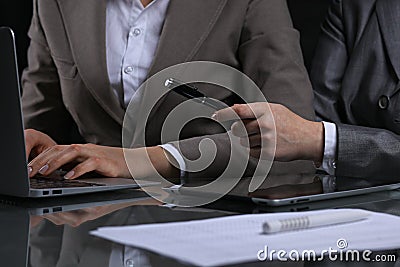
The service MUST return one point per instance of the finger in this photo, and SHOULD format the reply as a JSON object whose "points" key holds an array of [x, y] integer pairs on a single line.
{"points": [[35, 221], [30, 141], [28, 146], [72, 153], [226, 114], [54, 218], [255, 152], [63, 218], [82, 168], [36, 142], [251, 141], [70, 218], [244, 111], [243, 129], [39, 164]]}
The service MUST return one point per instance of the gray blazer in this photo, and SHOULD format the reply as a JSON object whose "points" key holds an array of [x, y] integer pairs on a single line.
{"points": [[66, 85], [355, 74]]}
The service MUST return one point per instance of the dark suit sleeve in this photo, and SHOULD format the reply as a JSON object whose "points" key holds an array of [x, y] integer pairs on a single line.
{"points": [[329, 66], [361, 151], [270, 54], [367, 152], [42, 100]]}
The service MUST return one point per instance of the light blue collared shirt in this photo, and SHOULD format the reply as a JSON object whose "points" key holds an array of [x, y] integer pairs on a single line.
{"points": [[133, 33], [132, 36]]}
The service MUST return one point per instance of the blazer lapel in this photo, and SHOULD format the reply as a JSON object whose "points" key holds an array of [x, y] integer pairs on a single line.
{"points": [[85, 23], [388, 12], [187, 25]]}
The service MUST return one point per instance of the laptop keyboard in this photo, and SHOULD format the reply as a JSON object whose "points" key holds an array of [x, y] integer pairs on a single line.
{"points": [[44, 183]]}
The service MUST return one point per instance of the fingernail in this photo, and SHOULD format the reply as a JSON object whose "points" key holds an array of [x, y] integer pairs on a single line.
{"points": [[43, 169], [69, 175], [214, 116], [30, 170]]}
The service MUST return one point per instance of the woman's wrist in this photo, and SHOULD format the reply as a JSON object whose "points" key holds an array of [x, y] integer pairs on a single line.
{"points": [[150, 161], [160, 160]]}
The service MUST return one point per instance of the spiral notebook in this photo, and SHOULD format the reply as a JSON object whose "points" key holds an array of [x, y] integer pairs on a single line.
{"points": [[238, 239]]}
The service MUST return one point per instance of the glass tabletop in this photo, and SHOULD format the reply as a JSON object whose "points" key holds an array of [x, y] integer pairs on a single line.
{"points": [[56, 232]]}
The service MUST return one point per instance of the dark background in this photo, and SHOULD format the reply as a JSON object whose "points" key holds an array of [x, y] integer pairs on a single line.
{"points": [[307, 16], [17, 15]]}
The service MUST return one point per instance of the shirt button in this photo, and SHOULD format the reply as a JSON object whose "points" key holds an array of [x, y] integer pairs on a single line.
{"points": [[334, 164], [129, 263], [128, 69], [383, 102], [136, 32]]}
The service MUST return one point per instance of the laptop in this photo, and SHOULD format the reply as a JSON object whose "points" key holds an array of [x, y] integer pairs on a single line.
{"points": [[14, 179]]}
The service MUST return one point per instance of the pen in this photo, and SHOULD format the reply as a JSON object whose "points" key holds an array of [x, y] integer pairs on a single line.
{"points": [[312, 221], [191, 92]]}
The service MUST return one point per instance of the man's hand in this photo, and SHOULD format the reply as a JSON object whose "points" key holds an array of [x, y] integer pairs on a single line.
{"points": [[36, 142], [296, 138]]}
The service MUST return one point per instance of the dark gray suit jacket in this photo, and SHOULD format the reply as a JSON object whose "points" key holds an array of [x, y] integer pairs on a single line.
{"points": [[66, 83], [355, 75]]}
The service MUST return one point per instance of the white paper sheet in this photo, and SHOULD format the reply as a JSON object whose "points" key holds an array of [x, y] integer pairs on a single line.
{"points": [[237, 239]]}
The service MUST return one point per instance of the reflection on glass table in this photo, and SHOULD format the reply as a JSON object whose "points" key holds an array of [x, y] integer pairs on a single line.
{"points": [[32, 237]]}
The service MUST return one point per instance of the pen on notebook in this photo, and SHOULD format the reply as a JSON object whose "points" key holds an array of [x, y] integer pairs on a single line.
{"points": [[312, 221], [191, 92]]}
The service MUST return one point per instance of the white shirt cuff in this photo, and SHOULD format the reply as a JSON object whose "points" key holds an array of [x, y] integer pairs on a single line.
{"points": [[178, 157], [329, 161], [328, 183]]}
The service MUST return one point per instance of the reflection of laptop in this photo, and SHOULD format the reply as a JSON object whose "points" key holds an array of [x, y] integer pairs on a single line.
{"points": [[43, 206], [14, 179], [15, 214]]}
